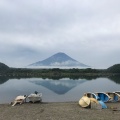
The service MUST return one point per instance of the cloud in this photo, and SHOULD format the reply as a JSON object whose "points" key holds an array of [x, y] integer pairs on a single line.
{"points": [[87, 30]]}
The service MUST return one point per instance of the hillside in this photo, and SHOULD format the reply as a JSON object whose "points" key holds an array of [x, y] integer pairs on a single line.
{"points": [[56, 73], [114, 69], [59, 60], [3, 66]]}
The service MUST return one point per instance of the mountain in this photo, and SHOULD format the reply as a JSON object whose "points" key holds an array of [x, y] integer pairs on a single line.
{"points": [[59, 60], [114, 69], [3, 67]]}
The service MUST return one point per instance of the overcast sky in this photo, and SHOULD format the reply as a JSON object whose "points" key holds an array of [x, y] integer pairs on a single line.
{"points": [[86, 30]]}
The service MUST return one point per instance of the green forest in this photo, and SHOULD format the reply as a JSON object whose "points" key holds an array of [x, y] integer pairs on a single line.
{"points": [[58, 73]]}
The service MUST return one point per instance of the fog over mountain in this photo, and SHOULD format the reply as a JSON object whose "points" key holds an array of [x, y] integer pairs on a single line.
{"points": [[58, 60], [87, 30]]}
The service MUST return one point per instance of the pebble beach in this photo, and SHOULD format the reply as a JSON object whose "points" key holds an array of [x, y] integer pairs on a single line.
{"points": [[58, 111]]}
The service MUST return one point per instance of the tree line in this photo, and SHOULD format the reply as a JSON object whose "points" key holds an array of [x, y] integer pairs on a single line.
{"points": [[59, 73]]}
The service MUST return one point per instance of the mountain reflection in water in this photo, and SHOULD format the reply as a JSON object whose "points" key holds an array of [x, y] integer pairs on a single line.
{"points": [[62, 90], [59, 86]]}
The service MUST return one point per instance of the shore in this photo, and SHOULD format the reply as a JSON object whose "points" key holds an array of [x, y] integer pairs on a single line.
{"points": [[58, 111]]}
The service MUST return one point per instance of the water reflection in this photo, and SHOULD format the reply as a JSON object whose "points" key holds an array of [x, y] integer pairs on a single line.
{"points": [[64, 89], [3, 79], [59, 86], [115, 79]]}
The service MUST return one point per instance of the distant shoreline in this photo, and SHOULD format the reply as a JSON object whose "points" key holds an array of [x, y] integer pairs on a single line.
{"points": [[6, 71], [56, 72]]}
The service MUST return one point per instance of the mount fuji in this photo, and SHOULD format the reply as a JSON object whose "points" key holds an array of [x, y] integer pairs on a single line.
{"points": [[58, 60]]}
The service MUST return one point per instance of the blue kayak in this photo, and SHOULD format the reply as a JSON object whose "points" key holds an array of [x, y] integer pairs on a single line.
{"points": [[114, 96], [103, 96]]}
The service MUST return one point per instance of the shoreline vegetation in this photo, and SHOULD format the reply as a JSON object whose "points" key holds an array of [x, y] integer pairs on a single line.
{"points": [[59, 73]]}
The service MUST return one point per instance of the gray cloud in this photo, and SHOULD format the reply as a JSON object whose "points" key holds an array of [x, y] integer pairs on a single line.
{"points": [[87, 30]]}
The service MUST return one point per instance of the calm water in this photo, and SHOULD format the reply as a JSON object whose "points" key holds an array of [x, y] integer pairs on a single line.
{"points": [[61, 90]]}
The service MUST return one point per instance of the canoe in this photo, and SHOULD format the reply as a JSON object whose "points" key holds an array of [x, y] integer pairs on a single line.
{"points": [[118, 92], [103, 96], [114, 96], [91, 95]]}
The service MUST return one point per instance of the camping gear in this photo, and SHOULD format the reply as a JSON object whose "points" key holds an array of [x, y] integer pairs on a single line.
{"points": [[35, 97], [84, 101]]}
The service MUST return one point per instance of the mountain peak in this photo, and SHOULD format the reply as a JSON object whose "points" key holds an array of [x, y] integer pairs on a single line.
{"points": [[60, 53], [59, 59]]}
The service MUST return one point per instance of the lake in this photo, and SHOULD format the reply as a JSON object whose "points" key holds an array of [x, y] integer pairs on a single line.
{"points": [[62, 90]]}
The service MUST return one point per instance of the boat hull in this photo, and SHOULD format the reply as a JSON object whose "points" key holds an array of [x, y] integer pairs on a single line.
{"points": [[35, 97], [114, 96], [91, 95], [103, 96], [98, 100], [84, 102], [102, 104]]}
